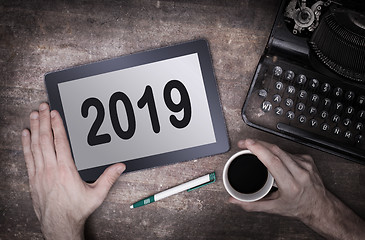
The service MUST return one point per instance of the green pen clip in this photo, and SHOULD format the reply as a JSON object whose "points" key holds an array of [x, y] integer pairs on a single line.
{"points": [[212, 179]]}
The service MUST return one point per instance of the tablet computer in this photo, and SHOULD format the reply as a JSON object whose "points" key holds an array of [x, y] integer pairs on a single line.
{"points": [[146, 109]]}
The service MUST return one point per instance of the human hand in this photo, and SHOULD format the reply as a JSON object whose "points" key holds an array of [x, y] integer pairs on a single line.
{"points": [[301, 194], [297, 179], [61, 200]]}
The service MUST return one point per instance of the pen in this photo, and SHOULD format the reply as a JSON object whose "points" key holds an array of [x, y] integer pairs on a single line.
{"points": [[189, 186]]}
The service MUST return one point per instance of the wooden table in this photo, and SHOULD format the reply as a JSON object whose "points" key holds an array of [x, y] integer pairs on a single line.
{"points": [[37, 37]]}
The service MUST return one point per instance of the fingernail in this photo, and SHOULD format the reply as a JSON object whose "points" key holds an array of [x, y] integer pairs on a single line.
{"points": [[120, 169], [25, 133], [43, 107], [53, 114], [249, 141], [241, 143], [34, 115]]}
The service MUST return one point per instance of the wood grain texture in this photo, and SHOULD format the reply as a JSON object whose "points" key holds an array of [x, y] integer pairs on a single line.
{"points": [[37, 37]]}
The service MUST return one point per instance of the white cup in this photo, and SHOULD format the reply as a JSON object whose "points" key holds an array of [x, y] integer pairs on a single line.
{"points": [[262, 192]]}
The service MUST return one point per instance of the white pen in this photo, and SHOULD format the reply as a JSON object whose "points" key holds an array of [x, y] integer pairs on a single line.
{"points": [[189, 186]]}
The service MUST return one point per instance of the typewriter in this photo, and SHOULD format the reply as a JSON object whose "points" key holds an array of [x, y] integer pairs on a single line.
{"points": [[309, 85]]}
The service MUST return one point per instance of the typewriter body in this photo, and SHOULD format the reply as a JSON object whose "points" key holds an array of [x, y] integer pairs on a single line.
{"points": [[309, 85]]}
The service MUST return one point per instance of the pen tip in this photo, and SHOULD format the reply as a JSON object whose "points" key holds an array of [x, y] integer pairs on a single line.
{"points": [[131, 206]]}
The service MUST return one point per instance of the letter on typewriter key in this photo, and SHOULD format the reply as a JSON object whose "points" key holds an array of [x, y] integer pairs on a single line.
{"points": [[279, 85], [349, 95], [263, 93], [314, 83], [290, 115], [312, 111], [350, 110], [362, 114], [359, 139], [359, 126], [337, 130], [289, 75], [279, 111], [289, 102], [324, 114], [326, 87], [325, 127], [313, 123], [348, 134], [277, 71], [338, 92], [339, 106], [361, 100], [302, 119], [300, 107], [335, 118], [314, 98], [276, 98], [301, 79], [302, 94], [266, 106], [326, 102], [291, 89], [346, 122]]}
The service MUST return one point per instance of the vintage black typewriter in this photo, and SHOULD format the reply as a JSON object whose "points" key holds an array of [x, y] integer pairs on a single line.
{"points": [[309, 85]]}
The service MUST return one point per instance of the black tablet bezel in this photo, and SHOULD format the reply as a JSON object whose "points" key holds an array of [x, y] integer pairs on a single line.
{"points": [[201, 48]]}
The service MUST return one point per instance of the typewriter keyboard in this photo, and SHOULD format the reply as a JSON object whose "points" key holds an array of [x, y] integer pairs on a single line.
{"points": [[308, 107]]}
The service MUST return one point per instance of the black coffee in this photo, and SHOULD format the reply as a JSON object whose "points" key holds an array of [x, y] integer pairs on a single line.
{"points": [[247, 174]]}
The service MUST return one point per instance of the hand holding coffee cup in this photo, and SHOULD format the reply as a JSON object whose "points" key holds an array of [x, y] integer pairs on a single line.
{"points": [[246, 178], [301, 193]]}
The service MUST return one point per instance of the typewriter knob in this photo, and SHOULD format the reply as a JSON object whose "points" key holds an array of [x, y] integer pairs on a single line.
{"points": [[306, 18]]}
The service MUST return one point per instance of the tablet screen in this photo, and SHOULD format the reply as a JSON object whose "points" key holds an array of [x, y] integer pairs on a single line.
{"points": [[144, 110], [148, 113]]}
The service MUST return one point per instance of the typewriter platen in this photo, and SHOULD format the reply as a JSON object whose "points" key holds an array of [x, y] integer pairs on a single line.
{"points": [[309, 85]]}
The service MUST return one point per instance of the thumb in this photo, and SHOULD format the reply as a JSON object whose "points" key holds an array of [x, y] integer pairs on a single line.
{"points": [[108, 178]]}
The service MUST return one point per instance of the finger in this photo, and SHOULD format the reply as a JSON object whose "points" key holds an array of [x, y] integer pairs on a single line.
{"points": [[306, 162], [108, 178], [295, 163], [308, 169], [35, 145], [290, 161], [241, 144], [268, 206], [307, 158], [62, 146], [46, 136], [28, 156], [286, 158], [273, 162]]}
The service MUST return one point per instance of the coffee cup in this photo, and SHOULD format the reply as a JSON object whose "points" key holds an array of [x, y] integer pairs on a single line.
{"points": [[246, 178]]}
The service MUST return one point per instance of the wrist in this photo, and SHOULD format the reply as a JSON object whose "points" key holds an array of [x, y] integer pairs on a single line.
{"points": [[67, 230], [333, 219], [322, 207]]}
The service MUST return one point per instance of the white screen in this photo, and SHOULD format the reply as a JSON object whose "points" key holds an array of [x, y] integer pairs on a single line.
{"points": [[132, 82]]}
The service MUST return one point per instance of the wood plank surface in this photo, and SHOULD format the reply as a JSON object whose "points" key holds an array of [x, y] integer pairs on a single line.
{"points": [[38, 36]]}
